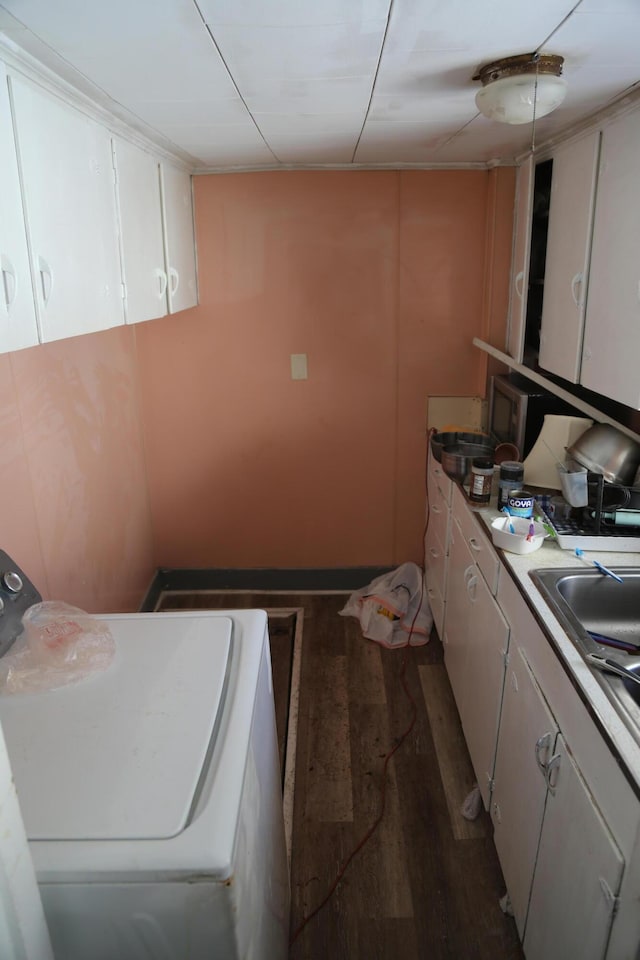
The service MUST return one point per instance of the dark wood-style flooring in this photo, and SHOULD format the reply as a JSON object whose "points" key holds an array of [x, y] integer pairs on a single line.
{"points": [[427, 884]]}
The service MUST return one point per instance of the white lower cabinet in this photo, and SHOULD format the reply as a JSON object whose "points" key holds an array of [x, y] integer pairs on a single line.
{"points": [[476, 638], [566, 820], [578, 871], [526, 743], [436, 541]]}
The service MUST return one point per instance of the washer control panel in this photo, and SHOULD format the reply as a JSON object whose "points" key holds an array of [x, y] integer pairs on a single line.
{"points": [[17, 594]]}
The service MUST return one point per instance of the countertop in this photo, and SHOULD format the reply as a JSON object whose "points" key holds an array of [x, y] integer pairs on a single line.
{"points": [[551, 555]]}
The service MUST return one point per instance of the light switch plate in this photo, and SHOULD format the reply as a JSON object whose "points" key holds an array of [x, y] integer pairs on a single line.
{"points": [[298, 366]]}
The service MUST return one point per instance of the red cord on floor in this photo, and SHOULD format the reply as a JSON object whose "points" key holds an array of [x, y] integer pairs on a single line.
{"points": [[383, 789]]}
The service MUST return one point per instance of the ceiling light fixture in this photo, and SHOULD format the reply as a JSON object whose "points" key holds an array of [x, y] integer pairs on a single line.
{"points": [[521, 89]]}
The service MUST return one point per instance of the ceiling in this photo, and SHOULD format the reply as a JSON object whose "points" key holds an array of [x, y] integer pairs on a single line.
{"points": [[236, 84]]}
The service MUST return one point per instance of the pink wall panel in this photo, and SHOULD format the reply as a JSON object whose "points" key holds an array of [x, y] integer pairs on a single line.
{"points": [[379, 278], [73, 463]]}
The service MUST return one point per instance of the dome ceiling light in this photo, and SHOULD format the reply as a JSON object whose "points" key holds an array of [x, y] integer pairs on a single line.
{"points": [[521, 89]]}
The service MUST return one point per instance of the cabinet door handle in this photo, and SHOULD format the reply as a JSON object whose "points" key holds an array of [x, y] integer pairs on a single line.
{"points": [[436, 509], [162, 277], [543, 743], [519, 282], [434, 553], [472, 583], [46, 280], [175, 280], [552, 766], [473, 543], [9, 281], [575, 283]]}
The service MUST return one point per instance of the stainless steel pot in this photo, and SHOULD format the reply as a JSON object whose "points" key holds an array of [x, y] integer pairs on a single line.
{"points": [[605, 450], [458, 457], [441, 440]]}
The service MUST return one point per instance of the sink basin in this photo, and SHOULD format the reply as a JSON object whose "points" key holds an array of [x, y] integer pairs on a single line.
{"points": [[585, 601]]}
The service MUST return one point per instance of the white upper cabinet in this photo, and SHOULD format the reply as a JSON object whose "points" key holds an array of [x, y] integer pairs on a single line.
{"points": [[141, 235], [573, 184], [18, 327], [612, 327], [520, 262], [70, 205], [180, 255]]}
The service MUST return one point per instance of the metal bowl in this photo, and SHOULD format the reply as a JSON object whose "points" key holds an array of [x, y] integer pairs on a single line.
{"points": [[441, 440], [457, 458], [603, 449]]}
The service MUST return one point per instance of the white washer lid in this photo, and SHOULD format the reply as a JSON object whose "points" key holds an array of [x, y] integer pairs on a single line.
{"points": [[120, 755]]}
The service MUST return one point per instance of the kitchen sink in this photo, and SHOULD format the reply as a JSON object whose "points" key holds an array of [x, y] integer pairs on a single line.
{"points": [[585, 602]]}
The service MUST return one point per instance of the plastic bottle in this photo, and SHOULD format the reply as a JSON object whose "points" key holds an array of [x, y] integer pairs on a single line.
{"points": [[481, 479], [511, 477]]}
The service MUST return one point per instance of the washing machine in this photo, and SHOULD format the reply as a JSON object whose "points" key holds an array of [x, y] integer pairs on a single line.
{"points": [[151, 793]]}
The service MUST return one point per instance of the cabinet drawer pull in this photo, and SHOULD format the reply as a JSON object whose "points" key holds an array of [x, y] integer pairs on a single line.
{"points": [[472, 583], [518, 283], [542, 743], [162, 277], [9, 280], [575, 283], [553, 765], [473, 543], [46, 280]]}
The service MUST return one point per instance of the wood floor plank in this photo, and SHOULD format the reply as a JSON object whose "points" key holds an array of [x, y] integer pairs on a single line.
{"points": [[329, 795], [456, 771]]}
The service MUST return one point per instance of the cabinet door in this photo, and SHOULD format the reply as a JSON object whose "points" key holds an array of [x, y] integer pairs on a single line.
{"points": [[568, 249], [578, 872], [18, 327], [145, 279], [180, 254], [520, 263], [487, 639], [462, 574], [475, 638], [69, 193], [612, 324], [526, 742]]}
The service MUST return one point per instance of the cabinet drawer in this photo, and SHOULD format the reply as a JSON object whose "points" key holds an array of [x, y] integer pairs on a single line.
{"points": [[435, 561], [479, 544], [438, 483]]}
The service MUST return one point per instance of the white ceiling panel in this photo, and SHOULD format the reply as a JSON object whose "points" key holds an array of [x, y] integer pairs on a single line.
{"points": [[288, 13], [164, 113], [342, 95], [337, 50], [313, 75]]}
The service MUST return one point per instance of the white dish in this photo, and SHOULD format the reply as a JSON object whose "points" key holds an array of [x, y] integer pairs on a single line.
{"points": [[517, 542]]}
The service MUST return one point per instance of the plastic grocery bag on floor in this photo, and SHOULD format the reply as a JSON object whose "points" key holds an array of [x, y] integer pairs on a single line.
{"points": [[60, 644], [393, 609]]}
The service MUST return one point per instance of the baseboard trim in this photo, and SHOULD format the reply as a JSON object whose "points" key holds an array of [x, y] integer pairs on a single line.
{"points": [[340, 579]]}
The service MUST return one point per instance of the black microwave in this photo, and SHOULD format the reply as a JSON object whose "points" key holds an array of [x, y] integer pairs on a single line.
{"points": [[517, 408]]}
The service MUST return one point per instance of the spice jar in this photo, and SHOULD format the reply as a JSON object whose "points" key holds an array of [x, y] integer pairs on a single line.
{"points": [[481, 478], [511, 477]]}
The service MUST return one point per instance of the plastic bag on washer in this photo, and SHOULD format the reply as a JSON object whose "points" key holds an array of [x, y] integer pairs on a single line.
{"points": [[393, 609], [60, 644]]}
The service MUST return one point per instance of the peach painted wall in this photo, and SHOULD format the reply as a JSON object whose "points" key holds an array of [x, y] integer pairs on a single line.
{"points": [[382, 279], [73, 492]]}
